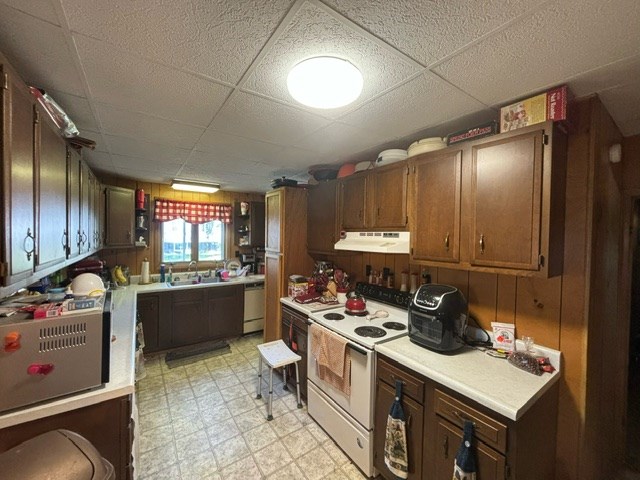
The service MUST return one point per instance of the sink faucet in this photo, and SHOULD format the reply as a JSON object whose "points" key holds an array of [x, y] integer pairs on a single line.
{"points": [[194, 264]]}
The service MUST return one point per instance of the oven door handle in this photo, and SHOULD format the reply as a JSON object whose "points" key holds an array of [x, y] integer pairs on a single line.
{"points": [[357, 349]]}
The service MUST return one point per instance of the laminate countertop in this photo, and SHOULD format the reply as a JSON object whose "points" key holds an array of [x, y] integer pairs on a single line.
{"points": [[492, 382]]}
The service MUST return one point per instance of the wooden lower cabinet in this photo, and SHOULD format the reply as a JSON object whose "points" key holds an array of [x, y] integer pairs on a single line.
{"points": [[225, 307], [504, 449], [149, 314], [294, 334], [107, 425]]}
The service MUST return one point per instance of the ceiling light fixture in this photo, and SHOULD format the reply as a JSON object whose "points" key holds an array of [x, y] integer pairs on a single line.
{"points": [[190, 186], [325, 82]]}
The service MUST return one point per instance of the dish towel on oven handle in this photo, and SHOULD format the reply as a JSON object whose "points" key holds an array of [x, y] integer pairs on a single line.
{"points": [[465, 464], [333, 358], [395, 444]]}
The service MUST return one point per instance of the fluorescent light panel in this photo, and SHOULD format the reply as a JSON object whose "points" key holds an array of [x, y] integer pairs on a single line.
{"points": [[190, 186]]}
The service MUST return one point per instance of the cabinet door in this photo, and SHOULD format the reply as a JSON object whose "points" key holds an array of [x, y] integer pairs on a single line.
{"points": [[414, 415], [353, 191], [18, 109], [73, 203], [272, 294], [119, 216], [294, 335], [506, 193], [51, 200], [189, 323], [273, 212], [322, 225], [388, 194], [257, 210], [435, 207], [85, 207], [149, 315], [98, 203], [490, 464], [225, 311]]}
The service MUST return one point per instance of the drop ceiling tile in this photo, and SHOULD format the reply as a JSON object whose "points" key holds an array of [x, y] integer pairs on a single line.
{"points": [[149, 151], [138, 125], [219, 162], [150, 166], [617, 101], [39, 51], [313, 32], [297, 158], [77, 108], [618, 74], [216, 39], [421, 103], [124, 80], [98, 160], [142, 175], [429, 31], [42, 9], [265, 120], [337, 140], [224, 144], [557, 42]]}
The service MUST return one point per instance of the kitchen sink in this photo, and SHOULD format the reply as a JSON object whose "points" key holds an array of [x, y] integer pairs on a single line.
{"points": [[192, 281]]}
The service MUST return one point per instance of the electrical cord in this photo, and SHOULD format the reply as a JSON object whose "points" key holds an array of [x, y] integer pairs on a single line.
{"points": [[476, 343]]}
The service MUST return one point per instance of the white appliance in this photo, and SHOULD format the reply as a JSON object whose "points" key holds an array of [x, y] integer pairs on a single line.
{"points": [[253, 307], [374, 242], [349, 419]]}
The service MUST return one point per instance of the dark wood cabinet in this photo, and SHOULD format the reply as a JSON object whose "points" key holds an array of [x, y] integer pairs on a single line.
{"points": [[189, 319], [149, 314], [322, 222], [73, 203], [435, 181], [85, 208], [352, 203], [249, 226], [273, 210], [18, 141], [51, 194], [273, 291], [388, 197], [119, 216], [225, 311], [107, 425], [294, 335]]}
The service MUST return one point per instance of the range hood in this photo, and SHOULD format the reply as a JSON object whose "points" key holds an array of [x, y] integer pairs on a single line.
{"points": [[374, 242]]}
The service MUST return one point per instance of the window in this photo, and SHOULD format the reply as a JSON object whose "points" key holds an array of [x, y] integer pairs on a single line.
{"points": [[183, 242]]}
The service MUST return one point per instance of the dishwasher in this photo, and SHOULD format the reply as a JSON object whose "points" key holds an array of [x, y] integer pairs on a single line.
{"points": [[253, 307]]}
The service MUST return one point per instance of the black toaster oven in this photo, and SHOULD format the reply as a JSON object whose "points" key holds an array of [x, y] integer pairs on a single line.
{"points": [[438, 318]]}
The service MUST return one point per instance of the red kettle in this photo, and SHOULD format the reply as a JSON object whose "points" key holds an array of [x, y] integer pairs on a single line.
{"points": [[356, 303]]}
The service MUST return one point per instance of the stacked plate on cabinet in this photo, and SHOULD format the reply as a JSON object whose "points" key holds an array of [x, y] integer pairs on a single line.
{"points": [[390, 156], [426, 145]]}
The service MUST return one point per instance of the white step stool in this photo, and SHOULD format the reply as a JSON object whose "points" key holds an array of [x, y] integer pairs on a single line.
{"points": [[276, 354]]}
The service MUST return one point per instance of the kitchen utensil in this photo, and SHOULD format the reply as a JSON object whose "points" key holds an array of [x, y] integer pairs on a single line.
{"points": [[355, 303], [363, 166], [87, 283], [323, 172], [426, 145], [378, 314], [283, 182], [390, 156], [346, 170]]}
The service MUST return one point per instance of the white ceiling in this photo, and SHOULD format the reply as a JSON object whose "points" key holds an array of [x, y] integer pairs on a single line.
{"points": [[196, 89]]}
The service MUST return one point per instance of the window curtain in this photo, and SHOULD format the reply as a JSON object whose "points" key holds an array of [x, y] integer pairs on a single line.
{"points": [[190, 212]]}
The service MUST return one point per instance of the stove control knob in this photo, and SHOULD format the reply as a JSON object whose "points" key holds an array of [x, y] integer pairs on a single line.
{"points": [[12, 342], [40, 368]]}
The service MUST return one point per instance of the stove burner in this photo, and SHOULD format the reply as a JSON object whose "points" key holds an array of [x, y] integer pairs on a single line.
{"points": [[357, 314], [374, 332], [394, 326], [333, 316]]}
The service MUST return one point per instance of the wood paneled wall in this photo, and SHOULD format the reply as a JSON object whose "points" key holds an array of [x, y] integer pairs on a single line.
{"points": [[575, 312], [133, 257]]}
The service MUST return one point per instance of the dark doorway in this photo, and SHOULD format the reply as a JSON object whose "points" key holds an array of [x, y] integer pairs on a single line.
{"points": [[633, 392]]}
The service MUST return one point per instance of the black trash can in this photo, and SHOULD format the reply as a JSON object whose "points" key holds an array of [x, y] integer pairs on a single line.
{"points": [[58, 454]]}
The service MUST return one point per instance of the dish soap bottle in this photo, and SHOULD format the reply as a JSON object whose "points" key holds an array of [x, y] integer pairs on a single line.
{"points": [[170, 275]]}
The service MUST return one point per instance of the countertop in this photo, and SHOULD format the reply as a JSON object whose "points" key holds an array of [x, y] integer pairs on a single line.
{"points": [[123, 319], [490, 381]]}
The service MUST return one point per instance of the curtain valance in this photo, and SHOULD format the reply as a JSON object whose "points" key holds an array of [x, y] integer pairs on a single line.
{"points": [[190, 212]]}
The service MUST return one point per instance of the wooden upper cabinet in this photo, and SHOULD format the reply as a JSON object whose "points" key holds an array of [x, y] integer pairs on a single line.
{"points": [[119, 216], [322, 223], [18, 141], [73, 203], [352, 202], [273, 212], [516, 214], [85, 208], [435, 183], [51, 194], [388, 196]]}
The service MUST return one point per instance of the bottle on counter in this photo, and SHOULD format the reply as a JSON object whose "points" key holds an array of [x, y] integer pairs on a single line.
{"points": [[162, 275]]}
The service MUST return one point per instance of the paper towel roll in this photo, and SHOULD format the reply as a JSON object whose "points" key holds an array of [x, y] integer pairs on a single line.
{"points": [[144, 274]]}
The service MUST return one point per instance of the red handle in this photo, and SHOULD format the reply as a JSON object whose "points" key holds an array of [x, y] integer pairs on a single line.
{"points": [[40, 368]]}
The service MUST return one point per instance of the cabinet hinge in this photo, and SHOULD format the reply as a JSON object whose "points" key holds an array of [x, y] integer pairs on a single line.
{"points": [[36, 115], [406, 219], [545, 139], [541, 260], [411, 250], [5, 81], [3, 269], [507, 471], [407, 169]]}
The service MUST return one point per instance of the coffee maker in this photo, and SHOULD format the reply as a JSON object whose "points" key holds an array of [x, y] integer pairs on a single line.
{"points": [[249, 259]]}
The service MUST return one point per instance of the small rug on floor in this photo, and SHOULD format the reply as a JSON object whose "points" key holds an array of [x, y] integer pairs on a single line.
{"points": [[187, 355]]}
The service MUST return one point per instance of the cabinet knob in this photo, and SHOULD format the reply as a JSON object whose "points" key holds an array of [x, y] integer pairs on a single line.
{"points": [[445, 447], [481, 243], [29, 240]]}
